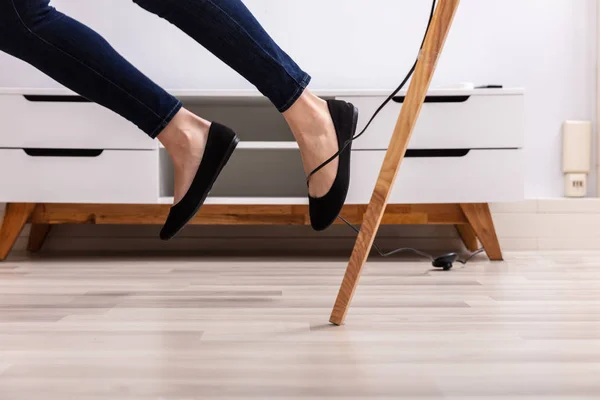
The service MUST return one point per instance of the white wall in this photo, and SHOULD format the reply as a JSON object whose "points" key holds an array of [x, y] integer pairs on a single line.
{"points": [[546, 46]]}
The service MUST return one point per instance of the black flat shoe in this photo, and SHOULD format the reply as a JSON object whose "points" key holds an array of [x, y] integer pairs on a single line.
{"points": [[220, 144], [324, 210]]}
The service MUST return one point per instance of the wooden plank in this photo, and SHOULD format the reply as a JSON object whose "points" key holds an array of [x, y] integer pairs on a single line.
{"points": [[480, 218], [428, 58], [155, 214], [15, 218], [441, 214]]}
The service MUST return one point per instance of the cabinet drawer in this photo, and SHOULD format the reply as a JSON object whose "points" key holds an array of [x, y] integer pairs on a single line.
{"points": [[65, 122], [476, 177], [51, 176], [469, 120]]}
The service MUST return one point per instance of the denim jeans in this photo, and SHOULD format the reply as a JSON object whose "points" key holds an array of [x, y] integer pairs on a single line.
{"points": [[80, 59]]}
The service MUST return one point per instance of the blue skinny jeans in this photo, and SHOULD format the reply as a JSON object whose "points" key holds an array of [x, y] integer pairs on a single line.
{"points": [[80, 59]]}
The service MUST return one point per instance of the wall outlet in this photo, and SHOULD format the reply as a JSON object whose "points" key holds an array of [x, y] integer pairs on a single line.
{"points": [[576, 185]]}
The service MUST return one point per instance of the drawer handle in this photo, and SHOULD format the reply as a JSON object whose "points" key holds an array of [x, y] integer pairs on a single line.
{"points": [[437, 153], [56, 99], [437, 99], [87, 153]]}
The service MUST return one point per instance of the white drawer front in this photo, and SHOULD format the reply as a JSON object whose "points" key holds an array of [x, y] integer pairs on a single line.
{"points": [[115, 176], [479, 121], [480, 176], [52, 123]]}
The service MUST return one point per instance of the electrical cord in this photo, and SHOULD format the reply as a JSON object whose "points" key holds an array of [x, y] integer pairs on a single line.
{"points": [[466, 260], [381, 107], [445, 261], [393, 252]]}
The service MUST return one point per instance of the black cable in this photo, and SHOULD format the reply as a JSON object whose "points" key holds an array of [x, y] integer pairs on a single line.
{"points": [[385, 103], [391, 253], [466, 260], [409, 249]]}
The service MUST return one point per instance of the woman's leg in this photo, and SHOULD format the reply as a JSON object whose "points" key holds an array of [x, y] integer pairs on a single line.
{"points": [[79, 58], [83, 61], [229, 30]]}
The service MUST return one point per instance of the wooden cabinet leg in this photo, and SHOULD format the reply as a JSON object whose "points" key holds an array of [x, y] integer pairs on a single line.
{"points": [[15, 218], [480, 218], [468, 236], [428, 58], [37, 237]]}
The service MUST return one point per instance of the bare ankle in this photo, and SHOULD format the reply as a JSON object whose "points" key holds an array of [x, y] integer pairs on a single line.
{"points": [[307, 116], [183, 131]]}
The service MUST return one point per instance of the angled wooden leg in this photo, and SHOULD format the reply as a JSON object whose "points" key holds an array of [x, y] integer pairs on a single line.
{"points": [[428, 58], [37, 236], [468, 236], [480, 218], [15, 218]]}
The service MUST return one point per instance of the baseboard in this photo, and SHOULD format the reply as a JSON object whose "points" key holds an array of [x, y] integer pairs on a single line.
{"points": [[549, 224], [537, 224]]}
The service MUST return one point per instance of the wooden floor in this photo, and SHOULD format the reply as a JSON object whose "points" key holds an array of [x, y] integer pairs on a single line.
{"points": [[192, 328]]}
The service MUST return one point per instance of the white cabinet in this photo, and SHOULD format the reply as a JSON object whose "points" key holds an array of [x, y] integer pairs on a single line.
{"points": [[467, 147]]}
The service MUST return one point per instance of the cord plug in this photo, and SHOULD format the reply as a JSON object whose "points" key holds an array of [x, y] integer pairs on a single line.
{"points": [[446, 262]]}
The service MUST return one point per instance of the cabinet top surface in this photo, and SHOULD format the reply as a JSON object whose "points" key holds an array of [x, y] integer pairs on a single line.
{"points": [[253, 94]]}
